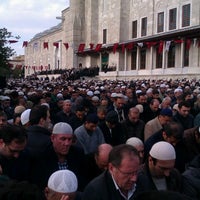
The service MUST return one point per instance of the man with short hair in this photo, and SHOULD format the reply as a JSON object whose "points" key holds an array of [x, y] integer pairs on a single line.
{"points": [[183, 115], [151, 111], [118, 107], [89, 135], [133, 125], [97, 162], [38, 133], [13, 159], [119, 181], [78, 118], [157, 123], [112, 130], [159, 172], [65, 114], [3, 119]]}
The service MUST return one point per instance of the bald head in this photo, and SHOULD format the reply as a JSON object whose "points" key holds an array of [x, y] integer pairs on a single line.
{"points": [[101, 155]]}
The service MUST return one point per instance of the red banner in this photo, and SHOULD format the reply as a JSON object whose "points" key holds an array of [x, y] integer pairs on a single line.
{"points": [[81, 47], [160, 48], [45, 45], [66, 45], [98, 47], [56, 44], [115, 46]]}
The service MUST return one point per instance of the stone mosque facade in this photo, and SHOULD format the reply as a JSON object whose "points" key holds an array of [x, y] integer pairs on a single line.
{"points": [[126, 39]]}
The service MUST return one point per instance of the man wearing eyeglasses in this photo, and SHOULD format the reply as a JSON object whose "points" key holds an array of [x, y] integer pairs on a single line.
{"points": [[13, 159], [119, 181]]}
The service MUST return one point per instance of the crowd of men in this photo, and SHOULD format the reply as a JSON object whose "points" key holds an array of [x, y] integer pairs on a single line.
{"points": [[110, 139], [71, 74]]}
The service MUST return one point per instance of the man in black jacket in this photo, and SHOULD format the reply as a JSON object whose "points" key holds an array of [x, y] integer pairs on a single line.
{"points": [[191, 179], [62, 154], [112, 130], [119, 181], [38, 133], [14, 160], [159, 172]]}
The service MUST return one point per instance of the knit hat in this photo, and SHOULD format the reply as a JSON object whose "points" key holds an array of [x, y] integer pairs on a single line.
{"points": [[134, 141], [63, 181], [163, 151], [62, 128], [140, 108], [95, 98], [90, 93], [25, 116]]}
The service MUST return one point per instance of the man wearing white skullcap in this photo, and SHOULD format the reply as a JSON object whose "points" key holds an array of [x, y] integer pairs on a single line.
{"points": [[159, 172], [62, 184], [139, 145], [62, 155], [25, 118]]}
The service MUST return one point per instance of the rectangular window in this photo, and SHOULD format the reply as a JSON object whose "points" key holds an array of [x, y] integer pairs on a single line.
{"points": [[186, 56], [171, 56], [104, 36], [186, 15], [134, 29], [160, 24], [172, 19], [133, 60], [143, 58], [158, 58], [144, 27]]}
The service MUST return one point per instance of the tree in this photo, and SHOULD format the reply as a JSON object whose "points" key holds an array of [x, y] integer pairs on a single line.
{"points": [[5, 51]]}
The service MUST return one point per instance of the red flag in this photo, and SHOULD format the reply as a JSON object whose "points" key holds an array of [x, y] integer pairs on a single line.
{"points": [[66, 45], [56, 44], [160, 48], [115, 47], [123, 48], [130, 46], [98, 47], [81, 47], [91, 46], [12, 41], [188, 43], [25, 44], [45, 45], [178, 41], [150, 44]]}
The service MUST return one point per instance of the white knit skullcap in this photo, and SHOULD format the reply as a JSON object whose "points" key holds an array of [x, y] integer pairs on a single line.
{"points": [[62, 128], [63, 181], [134, 141], [163, 151], [90, 93], [138, 91], [140, 108], [25, 116]]}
